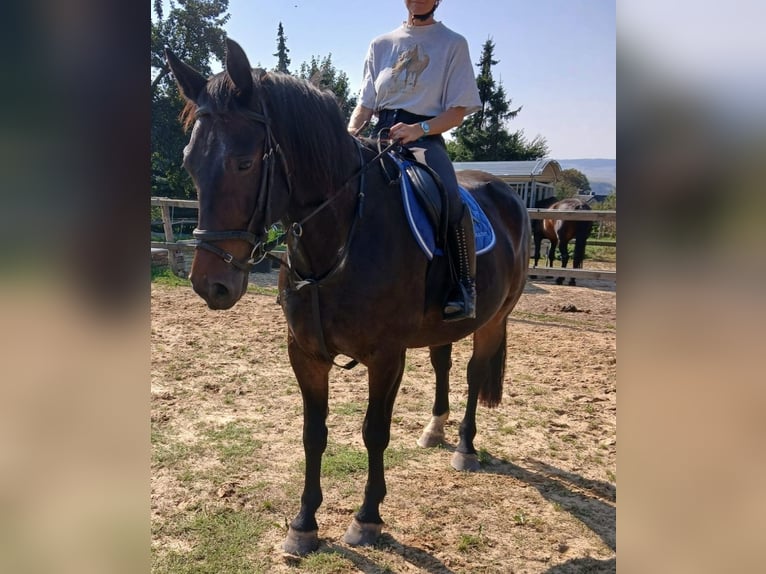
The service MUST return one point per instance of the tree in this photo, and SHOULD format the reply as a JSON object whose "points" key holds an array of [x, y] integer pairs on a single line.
{"points": [[283, 60], [483, 135], [573, 182], [193, 30], [323, 74]]}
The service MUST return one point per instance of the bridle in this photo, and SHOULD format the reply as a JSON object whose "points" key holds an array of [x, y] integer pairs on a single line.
{"points": [[263, 202], [260, 249]]}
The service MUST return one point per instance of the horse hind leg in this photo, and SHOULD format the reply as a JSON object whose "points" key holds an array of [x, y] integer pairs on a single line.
{"points": [[441, 361], [564, 250], [486, 371]]}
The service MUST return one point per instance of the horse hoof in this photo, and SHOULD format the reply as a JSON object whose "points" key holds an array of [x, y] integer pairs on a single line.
{"points": [[465, 462], [430, 440], [559, 280], [362, 533], [300, 543]]}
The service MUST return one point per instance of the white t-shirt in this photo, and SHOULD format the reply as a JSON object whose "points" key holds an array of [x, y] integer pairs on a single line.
{"points": [[422, 69]]}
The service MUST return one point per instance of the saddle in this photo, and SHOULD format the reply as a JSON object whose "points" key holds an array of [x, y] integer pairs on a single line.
{"points": [[426, 206], [421, 182]]}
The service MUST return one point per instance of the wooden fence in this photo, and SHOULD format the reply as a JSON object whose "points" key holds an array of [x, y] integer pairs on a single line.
{"points": [[176, 249]]}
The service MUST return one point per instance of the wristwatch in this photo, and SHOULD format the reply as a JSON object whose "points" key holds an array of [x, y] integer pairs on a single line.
{"points": [[425, 127]]}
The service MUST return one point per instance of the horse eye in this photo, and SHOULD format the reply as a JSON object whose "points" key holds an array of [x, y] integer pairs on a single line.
{"points": [[245, 165]]}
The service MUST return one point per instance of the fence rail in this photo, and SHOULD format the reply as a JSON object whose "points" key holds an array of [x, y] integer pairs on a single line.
{"points": [[175, 248]]}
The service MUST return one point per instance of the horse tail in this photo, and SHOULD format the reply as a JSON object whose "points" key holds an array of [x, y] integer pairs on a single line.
{"points": [[491, 391]]}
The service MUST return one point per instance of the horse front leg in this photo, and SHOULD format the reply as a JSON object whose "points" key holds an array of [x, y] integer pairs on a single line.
{"points": [[312, 375], [385, 375], [441, 361]]}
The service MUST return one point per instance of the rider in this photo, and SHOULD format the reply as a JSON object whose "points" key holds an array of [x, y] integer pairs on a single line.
{"points": [[419, 81]]}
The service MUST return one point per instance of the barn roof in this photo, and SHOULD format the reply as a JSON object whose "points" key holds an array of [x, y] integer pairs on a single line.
{"points": [[542, 170]]}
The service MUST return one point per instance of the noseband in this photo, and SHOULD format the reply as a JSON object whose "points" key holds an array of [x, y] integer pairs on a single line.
{"points": [[206, 238]]}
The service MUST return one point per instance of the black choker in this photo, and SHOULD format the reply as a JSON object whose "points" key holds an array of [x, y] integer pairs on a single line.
{"points": [[425, 16]]}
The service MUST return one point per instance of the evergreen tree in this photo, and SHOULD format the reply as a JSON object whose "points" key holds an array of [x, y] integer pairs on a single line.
{"points": [[283, 60], [483, 136], [323, 74]]}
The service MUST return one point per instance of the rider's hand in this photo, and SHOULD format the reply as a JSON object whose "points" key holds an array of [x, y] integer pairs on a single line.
{"points": [[405, 133]]}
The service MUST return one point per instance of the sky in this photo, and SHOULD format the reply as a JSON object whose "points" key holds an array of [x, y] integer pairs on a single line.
{"points": [[556, 57]]}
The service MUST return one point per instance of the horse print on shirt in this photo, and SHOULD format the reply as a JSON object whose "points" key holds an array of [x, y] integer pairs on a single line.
{"points": [[408, 67]]}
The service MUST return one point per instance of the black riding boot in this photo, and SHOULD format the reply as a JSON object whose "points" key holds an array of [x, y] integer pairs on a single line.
{"points": [[461, 303]]}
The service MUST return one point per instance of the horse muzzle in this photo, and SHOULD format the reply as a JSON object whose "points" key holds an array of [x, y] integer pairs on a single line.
{"points": [[218, 283]]}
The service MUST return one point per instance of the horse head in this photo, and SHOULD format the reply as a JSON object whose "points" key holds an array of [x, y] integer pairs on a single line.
{"points": [[241, 178]]}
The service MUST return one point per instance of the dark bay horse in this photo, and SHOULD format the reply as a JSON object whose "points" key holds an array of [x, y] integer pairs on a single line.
{"points": [[560, 232], [266, 148]]}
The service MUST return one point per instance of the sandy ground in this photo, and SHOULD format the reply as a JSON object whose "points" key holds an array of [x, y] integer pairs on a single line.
{"points": [[544, 500]]}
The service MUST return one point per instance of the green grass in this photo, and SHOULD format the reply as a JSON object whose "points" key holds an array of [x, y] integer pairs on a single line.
{"points": [[221, 541], [258, 290], [469, 542], [233, 442], [601, 252], [327, 563], [164, 276], [340, 461], [349, 409]]}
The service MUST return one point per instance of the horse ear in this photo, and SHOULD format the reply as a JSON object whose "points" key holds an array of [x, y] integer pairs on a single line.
{"points": [[238, 69], [189, 80]]}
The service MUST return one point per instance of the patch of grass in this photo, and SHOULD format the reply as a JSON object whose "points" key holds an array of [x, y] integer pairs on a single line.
{"points": [[469, 542], [601, 252], [164, 276], [221, 541], [484, 457], [396, 456], [612, 477], [327, 563], [340, 460], [168, 454], [258, 290], [349, 409], [233, 442], [509, 429]]}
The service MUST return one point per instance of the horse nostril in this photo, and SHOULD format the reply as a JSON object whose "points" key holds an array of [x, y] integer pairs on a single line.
{"points": [[220, 290]]}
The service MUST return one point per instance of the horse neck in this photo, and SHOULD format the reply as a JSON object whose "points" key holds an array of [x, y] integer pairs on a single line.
{"points": [[325, 232]]}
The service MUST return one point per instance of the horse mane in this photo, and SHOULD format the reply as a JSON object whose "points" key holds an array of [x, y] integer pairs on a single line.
{"points": [[306, 121]]}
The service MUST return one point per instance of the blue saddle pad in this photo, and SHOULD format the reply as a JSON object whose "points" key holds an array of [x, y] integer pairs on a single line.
{"points": [[421, 227]]}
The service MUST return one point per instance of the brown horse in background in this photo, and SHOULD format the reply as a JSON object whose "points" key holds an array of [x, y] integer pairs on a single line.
{"points": [[560, 232], [268, 147]]}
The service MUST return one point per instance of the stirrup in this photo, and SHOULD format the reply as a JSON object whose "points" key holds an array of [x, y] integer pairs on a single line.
{"points": [[462, 306]]}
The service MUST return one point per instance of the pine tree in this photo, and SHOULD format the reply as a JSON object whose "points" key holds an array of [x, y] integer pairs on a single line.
{"points": [[323, 74], [283, 60], [483, 136]]}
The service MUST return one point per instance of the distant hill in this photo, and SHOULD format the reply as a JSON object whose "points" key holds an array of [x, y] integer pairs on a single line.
{"points": [[601, 173]]}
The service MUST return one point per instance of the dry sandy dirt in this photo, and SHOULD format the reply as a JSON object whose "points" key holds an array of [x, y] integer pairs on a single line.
{"points": [[543, 501]]}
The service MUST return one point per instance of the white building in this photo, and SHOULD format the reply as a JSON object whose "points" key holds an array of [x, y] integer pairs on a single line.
{"points": [[532, 180]]}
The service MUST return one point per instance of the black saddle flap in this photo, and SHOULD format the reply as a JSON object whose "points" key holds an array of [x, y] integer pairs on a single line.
{"points": [[432, 197]]}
